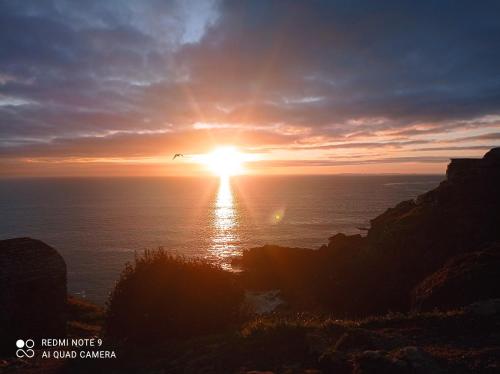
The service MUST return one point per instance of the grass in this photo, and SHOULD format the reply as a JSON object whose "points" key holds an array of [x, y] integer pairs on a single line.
{"points": [[84, 318], [306, 341], [457, 341]]}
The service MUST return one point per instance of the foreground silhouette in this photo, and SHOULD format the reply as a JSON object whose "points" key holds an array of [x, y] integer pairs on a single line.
{"points": [[439, 253]]}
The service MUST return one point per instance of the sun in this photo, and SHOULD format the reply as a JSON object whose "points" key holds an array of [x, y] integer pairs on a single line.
{"points": [[225, 161]]}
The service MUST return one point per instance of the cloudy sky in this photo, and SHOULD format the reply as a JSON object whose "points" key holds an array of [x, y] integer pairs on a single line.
{"points": [[116, 87]]}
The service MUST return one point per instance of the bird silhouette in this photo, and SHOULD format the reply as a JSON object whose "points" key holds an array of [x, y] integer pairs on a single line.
{"points": [[177, 155]]}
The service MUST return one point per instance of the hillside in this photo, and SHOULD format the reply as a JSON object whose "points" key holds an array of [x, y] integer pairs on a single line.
{"points": [[356, 276]]}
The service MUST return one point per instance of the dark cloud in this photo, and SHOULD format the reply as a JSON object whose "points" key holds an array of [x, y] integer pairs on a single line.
{"points": [[83, 77], [397, 60]]}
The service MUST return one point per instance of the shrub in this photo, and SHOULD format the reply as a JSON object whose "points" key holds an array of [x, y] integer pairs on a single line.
{"points": [[161, 296]]}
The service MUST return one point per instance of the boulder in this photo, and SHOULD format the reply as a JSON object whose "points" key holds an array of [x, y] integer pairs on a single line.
{"points": [[372, 362], [333, 361], [357, 339], [407, 360], [32, 292], [463, 280], [484, 308]]}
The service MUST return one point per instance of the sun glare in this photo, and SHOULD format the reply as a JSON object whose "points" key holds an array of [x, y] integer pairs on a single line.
{"points": [[225, 161]]}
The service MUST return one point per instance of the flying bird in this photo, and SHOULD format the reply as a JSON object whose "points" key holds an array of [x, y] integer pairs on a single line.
{"points": [[177, 155]]}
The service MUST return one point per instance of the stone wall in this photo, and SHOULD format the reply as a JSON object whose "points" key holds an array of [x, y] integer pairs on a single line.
{"points": [[32, 291]]}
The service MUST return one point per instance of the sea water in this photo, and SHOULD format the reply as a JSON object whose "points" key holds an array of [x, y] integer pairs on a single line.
{"points": [[97, 224]]}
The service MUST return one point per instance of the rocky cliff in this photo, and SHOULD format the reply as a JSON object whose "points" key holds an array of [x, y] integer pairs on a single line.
{"points": [[462, 280], [415, 238], [355, 275]]}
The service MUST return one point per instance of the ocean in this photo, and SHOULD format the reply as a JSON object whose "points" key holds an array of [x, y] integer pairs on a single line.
{"points": [[97, 224]]}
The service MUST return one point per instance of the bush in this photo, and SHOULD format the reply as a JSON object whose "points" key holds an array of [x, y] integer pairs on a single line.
{"points": [[161, 296]]}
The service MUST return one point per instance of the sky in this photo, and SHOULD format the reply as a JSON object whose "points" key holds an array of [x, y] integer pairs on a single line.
{"points": [[115, 88]]}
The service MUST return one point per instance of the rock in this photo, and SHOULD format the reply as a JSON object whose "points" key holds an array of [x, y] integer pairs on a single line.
{"points": [[414, 239], [462, 169], [418, 361], [333, 361], [463, 280], [484, 308], [263, 302], [357, 339], [407, 360], [342, 241], [32, 292], [374, 362], [357, 276], [317, 342]]}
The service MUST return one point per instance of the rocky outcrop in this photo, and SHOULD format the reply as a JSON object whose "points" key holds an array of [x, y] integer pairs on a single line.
{"points": [[32, 291], [356, 275], [414, 239], [461, 169], [402, 361], [463, 280], [343, 242]]}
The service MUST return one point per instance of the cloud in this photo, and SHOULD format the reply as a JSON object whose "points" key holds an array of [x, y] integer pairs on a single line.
{"points": [[489, 136], [147, 144], [456, 148], [374, 161], [114, 78]]}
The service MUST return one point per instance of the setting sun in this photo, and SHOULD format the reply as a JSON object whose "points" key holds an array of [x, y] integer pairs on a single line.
{"points": [[225, 161], [205, 183]]}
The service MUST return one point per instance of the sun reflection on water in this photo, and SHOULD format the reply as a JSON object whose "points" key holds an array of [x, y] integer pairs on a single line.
{"points": [[225, 239]]}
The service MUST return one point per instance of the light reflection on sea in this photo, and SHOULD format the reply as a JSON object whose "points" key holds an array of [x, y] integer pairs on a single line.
{"points": [[225, 240]]}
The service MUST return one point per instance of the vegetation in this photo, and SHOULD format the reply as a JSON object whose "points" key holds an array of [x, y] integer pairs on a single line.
{"points": [[84, 318], [458, 341], [161, 296]]}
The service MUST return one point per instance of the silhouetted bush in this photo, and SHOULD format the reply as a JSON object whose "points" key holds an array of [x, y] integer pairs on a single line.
{"points": [[161, 296]]}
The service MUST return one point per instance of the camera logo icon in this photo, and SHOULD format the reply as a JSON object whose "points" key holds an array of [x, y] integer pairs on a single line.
{"points": [[25, 348]]}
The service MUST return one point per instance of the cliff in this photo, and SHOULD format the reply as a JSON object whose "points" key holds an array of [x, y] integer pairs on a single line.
{"points": [[355, 275], [461, 169], [462, 280], [416, 238]]}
